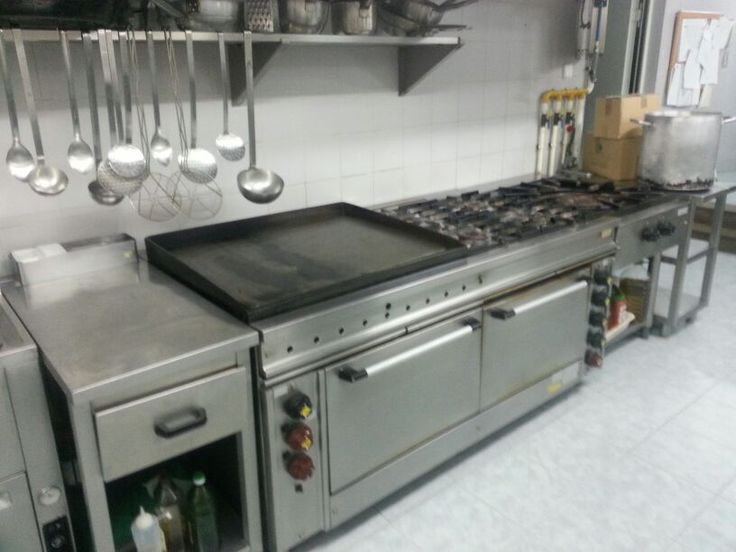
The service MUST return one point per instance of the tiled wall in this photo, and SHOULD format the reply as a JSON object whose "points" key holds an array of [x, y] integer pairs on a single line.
{"points": [[329, 120]]}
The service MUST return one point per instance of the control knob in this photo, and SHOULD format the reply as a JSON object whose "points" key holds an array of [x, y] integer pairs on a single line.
{"points": [[599, 296], [650, 234], [300, 466], [299, 437], [601, 277], [666, 228], [595, 339], [299, 406]]}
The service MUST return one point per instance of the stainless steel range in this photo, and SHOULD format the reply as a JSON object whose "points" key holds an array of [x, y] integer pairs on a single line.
{"points": [[374, 385]]}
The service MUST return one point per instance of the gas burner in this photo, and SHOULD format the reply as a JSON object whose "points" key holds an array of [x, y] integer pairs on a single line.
{"points": [[527, 210]]}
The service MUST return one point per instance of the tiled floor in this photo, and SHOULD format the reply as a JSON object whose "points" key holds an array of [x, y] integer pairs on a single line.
{"points": [[640, 457]]}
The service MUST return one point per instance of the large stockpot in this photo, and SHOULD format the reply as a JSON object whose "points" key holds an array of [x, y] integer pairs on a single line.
{"points": [[303, 16], [424, 13], [354, 17], [680, 148]]}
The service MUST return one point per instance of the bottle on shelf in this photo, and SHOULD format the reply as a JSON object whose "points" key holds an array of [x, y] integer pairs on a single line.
{"points": [[617, 309], [170, 512], [147, 534], [202, 516]]}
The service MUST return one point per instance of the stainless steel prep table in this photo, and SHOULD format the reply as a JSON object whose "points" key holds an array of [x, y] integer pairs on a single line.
{"points": [[132, 336]]}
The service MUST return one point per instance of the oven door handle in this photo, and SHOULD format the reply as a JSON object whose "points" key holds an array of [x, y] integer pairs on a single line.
{"points": [[352, 375], [505, 313]]}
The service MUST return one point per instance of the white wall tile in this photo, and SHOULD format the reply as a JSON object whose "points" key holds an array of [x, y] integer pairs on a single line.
{"points": [[320, 192], [358, 189], [388, 150], [328, 120]]}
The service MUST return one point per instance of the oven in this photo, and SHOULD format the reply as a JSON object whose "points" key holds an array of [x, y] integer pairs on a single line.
{"points": [[533, 333]]}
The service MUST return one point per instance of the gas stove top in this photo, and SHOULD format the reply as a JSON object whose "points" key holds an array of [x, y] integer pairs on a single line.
{"points": [[483, 220]]}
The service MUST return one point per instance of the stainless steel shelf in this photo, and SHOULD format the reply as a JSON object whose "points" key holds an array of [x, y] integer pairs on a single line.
{"points": [[698, 250], [689, 304], [417, 56]]}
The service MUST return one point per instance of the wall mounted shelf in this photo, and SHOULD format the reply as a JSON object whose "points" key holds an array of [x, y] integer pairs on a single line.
{"points": [[417, 56]]}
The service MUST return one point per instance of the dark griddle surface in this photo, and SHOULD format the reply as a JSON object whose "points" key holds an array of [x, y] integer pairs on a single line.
{"points": [[260, 267]]}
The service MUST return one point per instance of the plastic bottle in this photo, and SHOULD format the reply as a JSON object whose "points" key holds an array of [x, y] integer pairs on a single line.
{"points": [[169, 509], [203, 516], [147, 534]]}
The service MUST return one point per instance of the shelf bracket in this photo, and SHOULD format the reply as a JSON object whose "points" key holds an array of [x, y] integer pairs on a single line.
{"points": [[416, 62], [262, 54]]}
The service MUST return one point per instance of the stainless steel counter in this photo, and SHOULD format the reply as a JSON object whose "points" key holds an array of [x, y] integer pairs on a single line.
{"points": [[120, 329]]}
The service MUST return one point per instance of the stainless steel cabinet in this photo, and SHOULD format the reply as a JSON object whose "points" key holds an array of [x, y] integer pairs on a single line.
{"points": [[158, 427], [18, 529], [383, 403], [11, 458], [531, 334]]}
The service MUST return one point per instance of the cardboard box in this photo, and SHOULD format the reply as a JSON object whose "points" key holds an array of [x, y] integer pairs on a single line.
{"points": [[613, 114], [613, 158]]}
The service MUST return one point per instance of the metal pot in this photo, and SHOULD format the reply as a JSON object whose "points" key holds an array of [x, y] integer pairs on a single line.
{"points": [[424, 12], [303, 16], [354, 17], [680, 148], [398, 25]]}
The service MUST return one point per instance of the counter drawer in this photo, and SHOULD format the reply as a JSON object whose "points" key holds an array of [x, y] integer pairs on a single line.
{"points": [[146, 431]]}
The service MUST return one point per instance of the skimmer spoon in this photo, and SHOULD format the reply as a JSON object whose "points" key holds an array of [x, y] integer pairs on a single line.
{"points": [[79, 155], [19, 160], [257, 185], [230, 146], [125, 159], [197, 164], [43, 179], [161, 149]]}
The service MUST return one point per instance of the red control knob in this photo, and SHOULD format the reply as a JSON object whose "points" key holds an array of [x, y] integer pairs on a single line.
{"points": [[299, 437], [300, 466]]}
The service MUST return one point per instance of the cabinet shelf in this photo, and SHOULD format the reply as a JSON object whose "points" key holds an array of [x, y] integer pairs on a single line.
{"points": [[417, 56]]}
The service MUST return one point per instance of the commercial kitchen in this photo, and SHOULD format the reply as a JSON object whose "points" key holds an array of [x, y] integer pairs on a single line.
{"points": [[367, 275]]}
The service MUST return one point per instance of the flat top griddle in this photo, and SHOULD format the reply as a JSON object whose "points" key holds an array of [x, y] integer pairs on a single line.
{"points": [[260, 267]]}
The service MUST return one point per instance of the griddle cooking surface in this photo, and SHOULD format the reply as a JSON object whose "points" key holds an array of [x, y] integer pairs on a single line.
{"points": [[260, 267]]}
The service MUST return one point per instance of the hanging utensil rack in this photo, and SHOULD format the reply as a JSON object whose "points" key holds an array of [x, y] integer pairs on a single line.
{"points": [[417, 56]]}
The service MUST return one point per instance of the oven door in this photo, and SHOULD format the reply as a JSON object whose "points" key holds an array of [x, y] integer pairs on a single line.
{"points": [[384, 402], [531, 334]]}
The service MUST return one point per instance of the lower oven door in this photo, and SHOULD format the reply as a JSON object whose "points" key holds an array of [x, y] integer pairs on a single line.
{"points": [[532, 334], [384, 402]]}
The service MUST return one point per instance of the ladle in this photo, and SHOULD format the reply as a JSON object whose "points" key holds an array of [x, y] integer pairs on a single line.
{"points": [[43, 179], [161, 149], [98, 193], [19, 160], [79, 154], [256, 185], [230, 146]]}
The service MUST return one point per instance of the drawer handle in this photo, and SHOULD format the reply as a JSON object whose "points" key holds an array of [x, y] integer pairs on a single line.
{"points": [[181, 422]]}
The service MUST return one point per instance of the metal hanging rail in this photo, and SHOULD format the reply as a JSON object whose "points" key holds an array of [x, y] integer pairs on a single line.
{"points": [[417, 56]]}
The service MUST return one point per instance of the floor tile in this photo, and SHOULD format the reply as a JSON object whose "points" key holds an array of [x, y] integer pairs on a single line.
{"points": [[710, 418], [729, 492], [348, 535], [690, 456], [713, 531], [456, 520]]}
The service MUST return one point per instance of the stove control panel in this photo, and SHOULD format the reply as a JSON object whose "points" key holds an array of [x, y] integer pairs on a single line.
{"points": [[600, 291], [647, 234], [291, 426]]}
